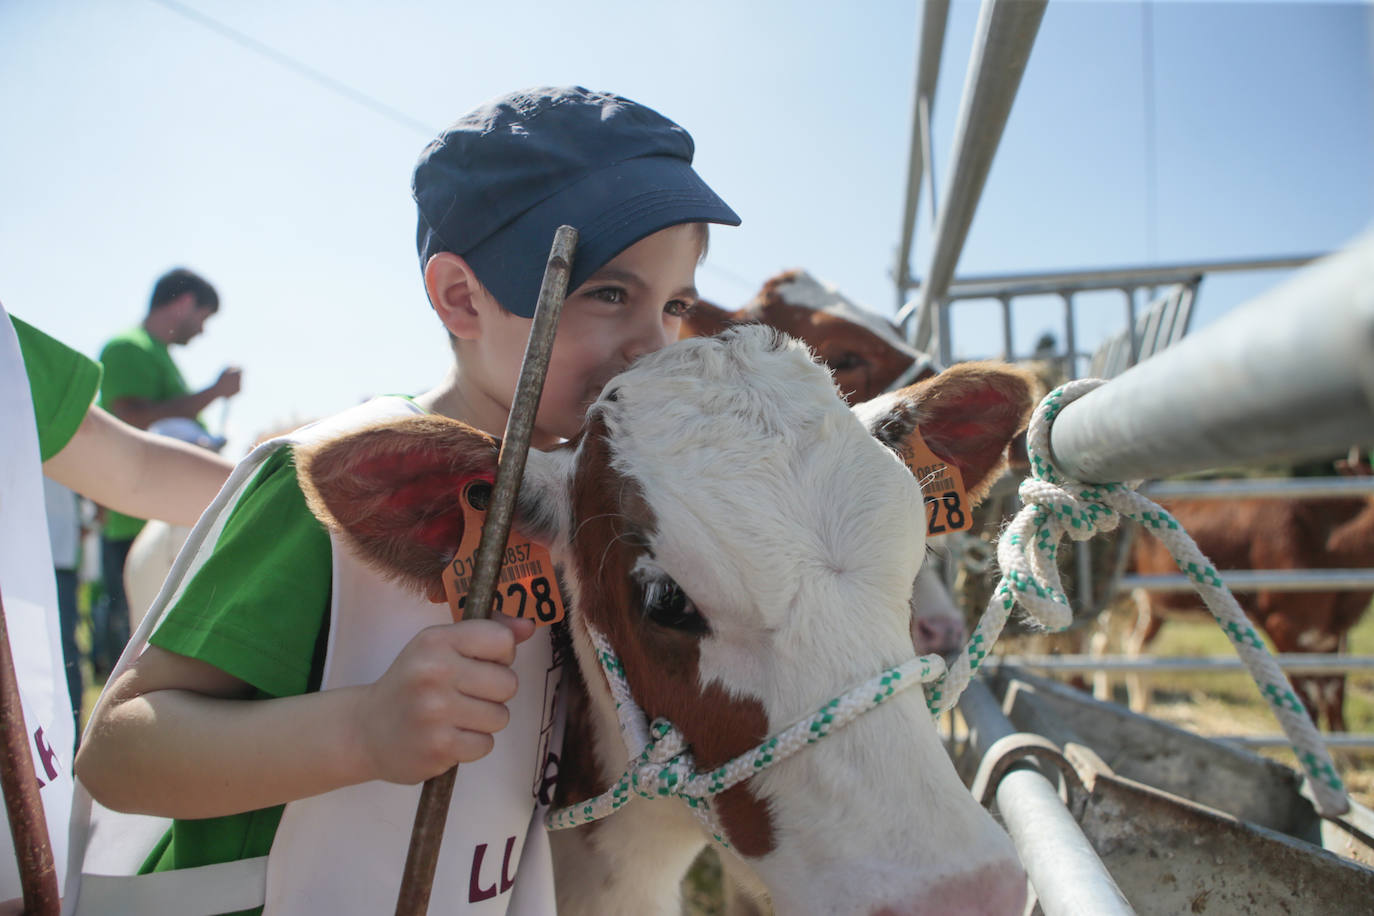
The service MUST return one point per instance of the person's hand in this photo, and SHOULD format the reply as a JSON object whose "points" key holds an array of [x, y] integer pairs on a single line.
{"points": [[441, 700], [229, 382]]}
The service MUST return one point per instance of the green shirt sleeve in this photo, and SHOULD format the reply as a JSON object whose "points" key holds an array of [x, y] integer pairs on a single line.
{"points": [[63, 383], [130, 372], [256, 608]]}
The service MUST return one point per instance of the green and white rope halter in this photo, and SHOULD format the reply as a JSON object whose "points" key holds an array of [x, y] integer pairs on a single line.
{"points": [[661, 763], [1055, 505]]}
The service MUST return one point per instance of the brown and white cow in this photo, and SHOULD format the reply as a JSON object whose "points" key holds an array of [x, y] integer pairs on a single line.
{"points": [[865, 352], [1278, 534], [867, 356], [747, 545]]}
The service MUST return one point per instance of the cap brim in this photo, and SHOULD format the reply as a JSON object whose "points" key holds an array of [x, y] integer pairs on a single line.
{"points": [[611, 209]]}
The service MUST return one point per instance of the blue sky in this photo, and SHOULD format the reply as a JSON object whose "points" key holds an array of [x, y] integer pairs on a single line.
{"points": [[138, 138]]}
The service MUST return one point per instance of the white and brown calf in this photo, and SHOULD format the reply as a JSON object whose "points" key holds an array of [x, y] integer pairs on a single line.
{"points": [[747, 545], [867, 356]]}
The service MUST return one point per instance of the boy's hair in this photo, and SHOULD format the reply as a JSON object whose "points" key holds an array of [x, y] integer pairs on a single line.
{"points": [[495, 186], [179, 281]]}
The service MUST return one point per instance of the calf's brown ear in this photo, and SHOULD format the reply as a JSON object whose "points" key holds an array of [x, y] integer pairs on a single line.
{"points": [[392, 492], [967, 415]]}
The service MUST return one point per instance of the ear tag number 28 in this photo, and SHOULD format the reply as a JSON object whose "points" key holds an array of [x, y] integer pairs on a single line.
{"points": [[942, 486], [526, 586]]}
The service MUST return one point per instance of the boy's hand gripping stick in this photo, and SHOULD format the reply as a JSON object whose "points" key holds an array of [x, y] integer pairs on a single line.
{"points": [[432, 812]]}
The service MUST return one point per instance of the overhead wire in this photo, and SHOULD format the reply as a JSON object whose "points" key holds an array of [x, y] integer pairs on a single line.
{"points": [[334, 85], [301, 69]]}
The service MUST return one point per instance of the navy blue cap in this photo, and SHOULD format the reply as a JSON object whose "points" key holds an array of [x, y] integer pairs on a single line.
{"points": [[496, 185]]}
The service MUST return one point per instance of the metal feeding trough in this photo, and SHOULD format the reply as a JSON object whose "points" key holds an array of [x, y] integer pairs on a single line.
{"points": [[1115, 812]]}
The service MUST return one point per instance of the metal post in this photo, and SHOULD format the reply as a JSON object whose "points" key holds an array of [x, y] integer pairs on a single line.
{"points": [[1131, 338], [1008, 348], [1065, 871], [946, 336], [919, 163], [1070, 338], [1006, 31], [422, 858], [1287, 376]]}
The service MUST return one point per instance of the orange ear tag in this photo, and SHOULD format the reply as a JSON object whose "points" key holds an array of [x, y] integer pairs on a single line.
{"points": [[942, 487], [526, 585]]}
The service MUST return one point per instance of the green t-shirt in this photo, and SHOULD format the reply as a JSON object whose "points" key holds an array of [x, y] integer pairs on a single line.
{"points": [[62, 382], [137, 365], [257, 609]]}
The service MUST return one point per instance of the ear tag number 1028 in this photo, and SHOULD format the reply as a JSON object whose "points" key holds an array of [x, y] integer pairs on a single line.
{"points": [[942, 487], [526, 586]]}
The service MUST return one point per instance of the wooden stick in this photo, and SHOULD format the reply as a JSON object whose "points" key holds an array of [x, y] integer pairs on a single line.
{"points": [[430, 816], [28, 826]]}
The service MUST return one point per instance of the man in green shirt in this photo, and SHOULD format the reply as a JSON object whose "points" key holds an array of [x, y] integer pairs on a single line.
{"points": [[141, 386]]}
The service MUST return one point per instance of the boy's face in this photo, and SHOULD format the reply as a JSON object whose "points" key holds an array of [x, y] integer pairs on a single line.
{"points": [[633, 305]]}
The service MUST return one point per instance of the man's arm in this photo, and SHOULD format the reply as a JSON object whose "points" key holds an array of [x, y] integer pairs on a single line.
{"points": [[144, 412], [138, 473]]}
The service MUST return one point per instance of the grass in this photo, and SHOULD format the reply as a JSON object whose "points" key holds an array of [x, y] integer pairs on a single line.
{"points": [[1229, 703]]}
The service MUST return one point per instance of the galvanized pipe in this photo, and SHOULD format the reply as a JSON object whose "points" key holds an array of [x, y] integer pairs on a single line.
{"points": [[1131, 338], [988, 286], [1008, 347], [1254, 580], [1002, 45], [1262, 488], [1065, 871], [932, 42], [1288, 376], [1298, 662], [1070, 336], [417, 879]]}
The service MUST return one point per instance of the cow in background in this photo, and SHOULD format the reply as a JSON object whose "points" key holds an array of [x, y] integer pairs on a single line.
{"points": [[1275, 534], [864, 351]]}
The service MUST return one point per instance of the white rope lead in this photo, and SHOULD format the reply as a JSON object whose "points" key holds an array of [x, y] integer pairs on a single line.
{"points": [[1055, 505], [661, 763]]}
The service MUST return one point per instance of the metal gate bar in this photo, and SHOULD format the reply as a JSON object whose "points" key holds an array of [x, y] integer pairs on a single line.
{"points": [[1065, 871], [1288, 376]]}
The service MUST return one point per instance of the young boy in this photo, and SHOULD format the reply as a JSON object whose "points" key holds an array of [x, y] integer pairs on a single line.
{"points": [[360, 690]]}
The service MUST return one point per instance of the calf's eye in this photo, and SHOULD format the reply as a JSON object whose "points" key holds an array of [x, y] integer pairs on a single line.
{"points": [[666, 604]]}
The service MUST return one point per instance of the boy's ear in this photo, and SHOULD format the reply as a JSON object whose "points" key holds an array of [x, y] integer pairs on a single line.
{"points": [[968, 415], [392, 492], [453, 289], [704, 320]]}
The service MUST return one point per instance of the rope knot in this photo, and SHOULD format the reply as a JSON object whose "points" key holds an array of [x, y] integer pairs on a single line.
{"points": [[666, 766]]}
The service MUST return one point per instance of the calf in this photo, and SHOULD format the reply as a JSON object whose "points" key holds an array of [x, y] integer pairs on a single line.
{"points": [[747, 546], [867, 356], [1273, 534]]}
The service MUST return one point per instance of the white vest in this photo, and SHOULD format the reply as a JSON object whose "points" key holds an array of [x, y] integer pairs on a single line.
{"points": [[29, 591], [343, 852]]}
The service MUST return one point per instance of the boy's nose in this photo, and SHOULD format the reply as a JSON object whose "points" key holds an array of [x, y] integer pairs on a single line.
{"points": [[646, 336]]}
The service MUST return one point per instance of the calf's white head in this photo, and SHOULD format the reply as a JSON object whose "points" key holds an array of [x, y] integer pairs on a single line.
{"points": [[747, 545]]}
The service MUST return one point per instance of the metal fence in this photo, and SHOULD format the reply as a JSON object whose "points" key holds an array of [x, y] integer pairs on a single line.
{"points": [[1287, 377]]}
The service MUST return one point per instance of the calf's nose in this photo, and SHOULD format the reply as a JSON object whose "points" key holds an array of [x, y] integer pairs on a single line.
{"points": [[941, 635]]}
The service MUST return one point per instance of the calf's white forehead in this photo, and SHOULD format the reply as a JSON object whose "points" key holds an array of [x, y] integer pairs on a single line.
{"points": [[759, 477]]}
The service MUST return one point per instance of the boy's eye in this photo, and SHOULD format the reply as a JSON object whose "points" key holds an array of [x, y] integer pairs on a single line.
{"points": [[611, 294], [679, 308]]}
